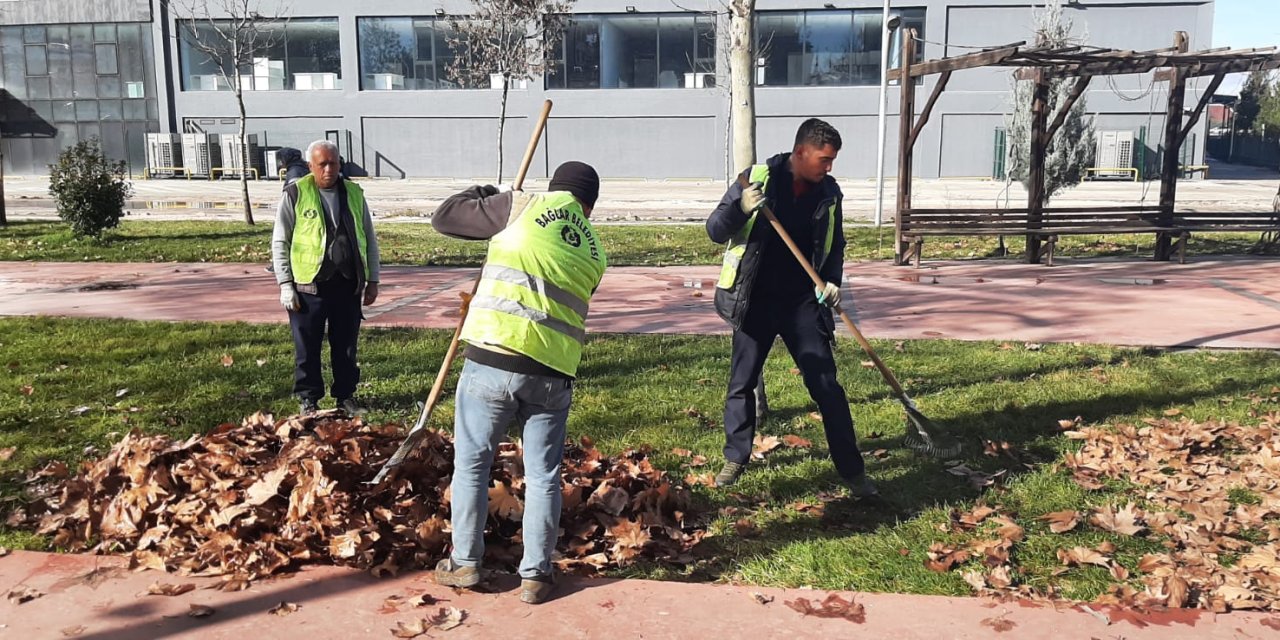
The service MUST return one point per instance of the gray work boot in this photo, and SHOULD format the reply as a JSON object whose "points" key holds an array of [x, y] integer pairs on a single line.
{"points": [[307, 407], [351, 407], [862, 488], [728, 475], [452, 575], [537, 590]]}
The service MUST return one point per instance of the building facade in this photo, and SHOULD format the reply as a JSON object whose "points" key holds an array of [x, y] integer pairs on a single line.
{"points": [[639, 86]]}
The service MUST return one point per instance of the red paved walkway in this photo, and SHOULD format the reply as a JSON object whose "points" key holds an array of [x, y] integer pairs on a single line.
{"points": [[1233, 302], [100, 599]]}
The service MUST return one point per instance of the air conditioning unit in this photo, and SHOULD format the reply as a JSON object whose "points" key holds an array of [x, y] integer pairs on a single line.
{"points": [[164, 153], [315, 81], [234, 155], [702, 80], [1114, 150], [387, 81], [200, 153], [210, 82], [516, 84]]}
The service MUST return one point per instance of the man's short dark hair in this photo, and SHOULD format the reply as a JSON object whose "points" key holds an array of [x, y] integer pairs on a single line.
{"points": [[818, 133]]}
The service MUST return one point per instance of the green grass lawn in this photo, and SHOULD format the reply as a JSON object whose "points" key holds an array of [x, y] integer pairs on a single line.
{"points": [[419, 244], [63, 382]]}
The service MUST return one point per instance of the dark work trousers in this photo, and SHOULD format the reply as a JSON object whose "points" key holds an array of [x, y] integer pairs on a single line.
{"points": [[804, 332], [335, 303]]}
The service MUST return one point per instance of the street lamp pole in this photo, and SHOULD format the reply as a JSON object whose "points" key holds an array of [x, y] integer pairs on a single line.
{"points": [[887, 26]]}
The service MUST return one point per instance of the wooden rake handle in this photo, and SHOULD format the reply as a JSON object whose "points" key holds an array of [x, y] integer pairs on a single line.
{"points": [[889, 378], [452, 352]]}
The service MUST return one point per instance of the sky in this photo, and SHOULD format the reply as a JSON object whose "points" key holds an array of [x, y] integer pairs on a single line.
{"points": [[1244, 23]]}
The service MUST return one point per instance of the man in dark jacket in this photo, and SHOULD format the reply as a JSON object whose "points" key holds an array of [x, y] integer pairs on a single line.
{"points": [[764, 292], [295, 168]]}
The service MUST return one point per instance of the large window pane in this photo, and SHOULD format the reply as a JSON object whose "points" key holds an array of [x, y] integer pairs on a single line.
{"points": [[304, 55], [441, 33], [629, 52], [828, 42], [83, 65], [37, 63], [635, 51], [676, 51], [15, 66], [105, 57], [386, 53], [581, 55], [779, 49], [313, 59], [826, 47]]}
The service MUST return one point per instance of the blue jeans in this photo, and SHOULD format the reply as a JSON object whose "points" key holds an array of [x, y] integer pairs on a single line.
{"points": [[490, 400]]}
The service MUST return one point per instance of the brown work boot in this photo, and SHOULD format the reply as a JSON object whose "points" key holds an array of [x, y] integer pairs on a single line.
{"points": [[537, 590], [452, 575]]}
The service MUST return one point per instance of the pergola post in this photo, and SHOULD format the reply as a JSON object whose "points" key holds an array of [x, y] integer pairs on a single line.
{"points": [[906, 121], [1169, 165], [1035, 162]]}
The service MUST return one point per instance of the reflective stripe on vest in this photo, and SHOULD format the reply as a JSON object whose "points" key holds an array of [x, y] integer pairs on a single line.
{"points": [[738, 243], [310, 237], [536, 286]]}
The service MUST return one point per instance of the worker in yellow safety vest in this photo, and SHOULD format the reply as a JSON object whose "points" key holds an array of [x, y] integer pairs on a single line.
{"points": [[524, 333]]}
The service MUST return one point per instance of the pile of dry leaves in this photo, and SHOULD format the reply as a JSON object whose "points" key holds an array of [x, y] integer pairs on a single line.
{"points": [[256, 499], [1208, 492]]}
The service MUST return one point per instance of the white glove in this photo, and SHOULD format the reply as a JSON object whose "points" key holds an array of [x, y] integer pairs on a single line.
{"points": [[289, 297], [752, 199], [828, 294]]}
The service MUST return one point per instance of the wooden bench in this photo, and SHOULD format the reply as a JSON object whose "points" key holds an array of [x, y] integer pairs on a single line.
{"points": [[915, 225]]}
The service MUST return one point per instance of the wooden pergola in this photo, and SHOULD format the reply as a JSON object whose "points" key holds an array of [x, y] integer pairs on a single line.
{"points": [[1041, 65]]}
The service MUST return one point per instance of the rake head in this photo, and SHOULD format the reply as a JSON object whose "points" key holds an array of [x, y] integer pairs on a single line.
{"points": [[921, 438]]}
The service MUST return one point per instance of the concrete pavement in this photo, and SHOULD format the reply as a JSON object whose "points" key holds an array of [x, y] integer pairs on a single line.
{"points": [[1219, 302], [92, 597], [1242, 189]]}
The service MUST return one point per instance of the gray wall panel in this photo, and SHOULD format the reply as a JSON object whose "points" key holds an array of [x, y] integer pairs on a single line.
{"points": [[638, 147], [54, 11]]}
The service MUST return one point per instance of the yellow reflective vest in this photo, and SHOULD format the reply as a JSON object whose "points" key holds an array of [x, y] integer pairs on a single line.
{"points": [[537, 282]]}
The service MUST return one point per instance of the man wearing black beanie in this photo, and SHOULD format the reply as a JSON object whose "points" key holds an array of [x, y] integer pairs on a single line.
{"points": [[524, 332]]}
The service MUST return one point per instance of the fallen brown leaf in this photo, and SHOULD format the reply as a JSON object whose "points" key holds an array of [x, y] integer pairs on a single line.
{"points": [[999, 624], [166, 589], [200, 611], [833, 606], [448, 618], [71, 632], [413, 629], [284, 609], [227, 360], [761, 598], [796, 442], [23, 595], [1123, 521], [26, 389], [7, 453], [1061, 521]]}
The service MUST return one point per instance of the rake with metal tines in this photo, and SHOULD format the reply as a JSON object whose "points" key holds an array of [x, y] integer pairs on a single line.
{"points": [[922, 436]]}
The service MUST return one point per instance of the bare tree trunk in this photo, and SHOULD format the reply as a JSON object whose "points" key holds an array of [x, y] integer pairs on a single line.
{"points": [[502, 122], [742, 100], [244, 160]]}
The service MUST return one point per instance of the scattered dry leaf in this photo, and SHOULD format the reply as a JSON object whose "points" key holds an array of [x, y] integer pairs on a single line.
{"points": [[71, 632], [200, 611], [796, 442], [833, 606], [227, 360], [20, 595], [284, 609], [166, 589], [761, 598], [1062, 521]]}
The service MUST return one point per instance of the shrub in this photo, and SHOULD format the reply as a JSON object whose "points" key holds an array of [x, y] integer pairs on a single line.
{"points": [[90, 190]]}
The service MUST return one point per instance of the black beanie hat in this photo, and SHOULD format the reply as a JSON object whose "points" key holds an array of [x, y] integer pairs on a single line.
{"points": [[579, 179]]}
